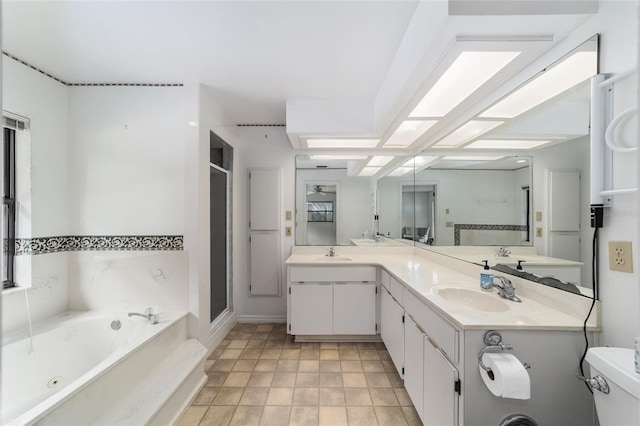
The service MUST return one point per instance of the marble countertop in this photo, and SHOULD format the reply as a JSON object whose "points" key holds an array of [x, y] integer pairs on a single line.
{"points": [[423, 272]]}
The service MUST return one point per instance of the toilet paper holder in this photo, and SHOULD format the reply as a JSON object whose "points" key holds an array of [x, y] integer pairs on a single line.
{"points": [[493, 342]]}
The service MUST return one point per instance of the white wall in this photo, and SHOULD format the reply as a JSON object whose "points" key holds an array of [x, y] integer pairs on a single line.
{"points": [[619, 291]]}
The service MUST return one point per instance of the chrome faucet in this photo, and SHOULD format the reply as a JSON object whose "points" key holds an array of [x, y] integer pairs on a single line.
{"points": [[505, 288], [332, 252], [148, 314], [503, 252]]}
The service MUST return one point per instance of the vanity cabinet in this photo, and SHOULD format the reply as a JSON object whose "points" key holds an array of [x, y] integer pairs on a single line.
{"points": [[392, 328], [326, 300]]}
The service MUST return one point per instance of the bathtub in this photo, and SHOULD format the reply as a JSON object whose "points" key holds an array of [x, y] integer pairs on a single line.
{"points": [[79, 369]]}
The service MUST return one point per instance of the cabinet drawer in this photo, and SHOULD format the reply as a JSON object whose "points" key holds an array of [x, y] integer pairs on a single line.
{"points": [[437, 328], [332, 274], [395, 288]]}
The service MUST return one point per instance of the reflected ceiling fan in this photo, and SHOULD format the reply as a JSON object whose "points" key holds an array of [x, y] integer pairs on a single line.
{"points": [[317, 189]]}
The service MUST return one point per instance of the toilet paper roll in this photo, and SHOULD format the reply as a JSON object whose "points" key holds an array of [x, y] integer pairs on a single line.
{"points": [[508, 377]]}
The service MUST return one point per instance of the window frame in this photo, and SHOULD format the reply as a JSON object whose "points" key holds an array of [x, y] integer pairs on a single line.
{"points": [[9, 202]]}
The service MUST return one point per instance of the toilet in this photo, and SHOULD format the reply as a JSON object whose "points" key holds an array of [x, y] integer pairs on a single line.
{"points": [[621, 406]]}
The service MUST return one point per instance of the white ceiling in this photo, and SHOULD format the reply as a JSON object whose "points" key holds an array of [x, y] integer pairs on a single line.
{"points": [[257, 56]]}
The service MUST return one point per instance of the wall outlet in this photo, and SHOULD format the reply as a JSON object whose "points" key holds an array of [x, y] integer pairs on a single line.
{"points": [[620, 258], [539, 232], [287, 231], [287, 215], [538, 216], [449, 224]]}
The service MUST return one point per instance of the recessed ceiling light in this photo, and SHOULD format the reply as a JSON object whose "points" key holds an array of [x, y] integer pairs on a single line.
{"points": [[466, 132], [337, 157], [369, 171], [466, 74], [342, 143], [505, 144], [471, 157], [408, 132], [380, 160], [573, 70]]}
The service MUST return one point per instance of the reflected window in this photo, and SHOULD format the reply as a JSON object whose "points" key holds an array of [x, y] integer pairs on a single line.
{"points": [[320, 211]]}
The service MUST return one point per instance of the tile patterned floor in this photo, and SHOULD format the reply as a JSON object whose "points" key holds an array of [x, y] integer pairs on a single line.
{"points": [[259, 376]]}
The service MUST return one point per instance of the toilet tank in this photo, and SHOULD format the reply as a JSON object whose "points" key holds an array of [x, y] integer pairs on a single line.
{"points": [[621, 406]]}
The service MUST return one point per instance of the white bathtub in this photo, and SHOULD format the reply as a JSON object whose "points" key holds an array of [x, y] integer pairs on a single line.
{"points": [[82, 371]]}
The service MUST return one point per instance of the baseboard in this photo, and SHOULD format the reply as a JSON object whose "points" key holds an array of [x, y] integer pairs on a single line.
{"points": [[262, 318]]}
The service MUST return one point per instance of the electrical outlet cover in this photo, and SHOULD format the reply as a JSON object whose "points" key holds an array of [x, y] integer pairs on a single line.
{"points": [[620, 257]]}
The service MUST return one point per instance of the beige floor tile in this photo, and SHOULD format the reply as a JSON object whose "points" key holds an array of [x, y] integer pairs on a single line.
{"points": [[253, 353], [274, 344], [309, 354], [265, 365], [218, 415], [354, 380], [395, 380], [351, 366], [245, 365], [254, 396], [305, 396], [330, 366], [349, 355], [223, 365], [403, 397], [309, 366], [284, 380], [290, 354], [361, 416], [216, 353], [231, 354], [287, 365], [244, 336], [327, 354], [270, 354], [377, 380], [255, 344], [331, 380], [332, 416], [280, 396], [237, 344], [310, 346], [260, 335], [274, 415], [372, 367], [205, 396], [413, 419], [347, 345], [260, 380], [367, 345], [390, 416], [228, 396], [307, 380], [328, 345], [225, 342], [290, 344], [208, 364], [383, 397], [246, 416], [389, 367], [192, 416], [384, 355], [236, 380], [264, 327], [331, 396], [216, 379], [357, 397], [304, 416], [369, 355]]}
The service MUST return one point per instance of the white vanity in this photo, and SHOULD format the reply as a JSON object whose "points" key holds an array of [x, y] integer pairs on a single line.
{"points": [[431, 314]]}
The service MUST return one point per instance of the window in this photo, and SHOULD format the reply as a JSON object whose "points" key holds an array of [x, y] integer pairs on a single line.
{"points": [[320, 211], [8, 203]]}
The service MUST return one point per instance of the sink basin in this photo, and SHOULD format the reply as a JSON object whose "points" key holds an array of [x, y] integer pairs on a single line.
{"points": [[471, 299], [332, 258]]}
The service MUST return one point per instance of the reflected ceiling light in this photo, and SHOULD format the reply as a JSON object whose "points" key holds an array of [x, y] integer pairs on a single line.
{"points": [[573, 70], [407, 132], [380, 160], [423, 160], [337, 157], [466, 132], [521, 161], [342, 143], [466, 74], [472, 157], [400, 171], [369, 171], [505, 144]]}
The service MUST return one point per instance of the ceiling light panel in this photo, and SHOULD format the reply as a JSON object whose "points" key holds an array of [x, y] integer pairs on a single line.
{"points": [[408, 132], [506, 144], [466, 74], [337, 157], [471, 157], [470, 130], [567, 74], [369, 171], [401, 171], [380, 160], [342, 143]]}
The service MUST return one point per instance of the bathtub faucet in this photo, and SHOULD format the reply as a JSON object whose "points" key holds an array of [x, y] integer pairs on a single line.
{"points": [[148, 314]]}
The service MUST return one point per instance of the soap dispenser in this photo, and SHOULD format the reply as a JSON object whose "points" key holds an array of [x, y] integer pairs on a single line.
{"points": [[486, 278]]}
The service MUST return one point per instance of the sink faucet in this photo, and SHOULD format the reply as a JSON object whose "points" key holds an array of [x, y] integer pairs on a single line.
{"points": [[503, 252], [332, 252], [148, 314], [505, 288]]}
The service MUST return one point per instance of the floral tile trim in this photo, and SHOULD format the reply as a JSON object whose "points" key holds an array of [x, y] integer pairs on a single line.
{"points": [[460, 226], [101, 242]]}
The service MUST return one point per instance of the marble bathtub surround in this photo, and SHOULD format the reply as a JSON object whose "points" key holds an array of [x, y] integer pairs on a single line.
{"points": [[43, 245], [259, 376]]}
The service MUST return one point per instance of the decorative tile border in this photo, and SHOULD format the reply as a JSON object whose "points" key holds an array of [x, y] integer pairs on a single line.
{"points": [[471, 226], [100, 242]]}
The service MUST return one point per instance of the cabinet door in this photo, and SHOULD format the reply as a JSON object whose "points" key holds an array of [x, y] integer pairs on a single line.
{"points": [[414, 363], [311, 309], [440, 406], [354, 309], [392, 328]]}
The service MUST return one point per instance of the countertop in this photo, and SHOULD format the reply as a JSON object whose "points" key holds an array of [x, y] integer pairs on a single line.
{"points": [[422, 272]]}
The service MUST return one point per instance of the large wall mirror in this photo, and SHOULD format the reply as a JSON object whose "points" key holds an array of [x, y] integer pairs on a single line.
{"points": [[472, 199]]}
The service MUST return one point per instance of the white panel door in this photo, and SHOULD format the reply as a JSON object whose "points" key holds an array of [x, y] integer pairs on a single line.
{"points": [[354, 308], [311, 308], [265, 264], [440, 396], [414, 363], [392, 328], [264, 203]]}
